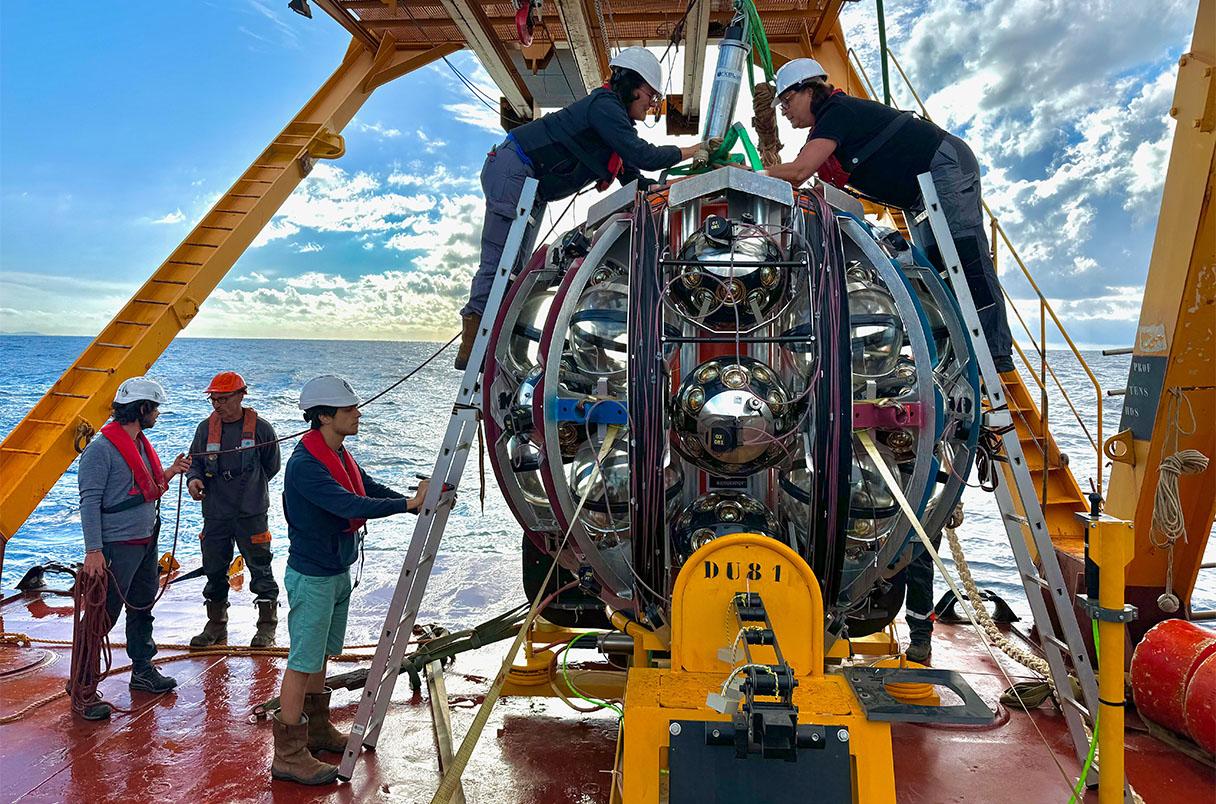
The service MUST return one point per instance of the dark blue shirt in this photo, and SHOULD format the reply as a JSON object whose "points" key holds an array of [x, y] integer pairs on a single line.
{"points": [[317, 508]]}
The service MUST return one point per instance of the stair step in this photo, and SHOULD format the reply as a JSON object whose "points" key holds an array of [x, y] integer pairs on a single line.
{"points": [[72, 396], [170, 282], [93, 368], [132, 323], [112, 345], [151, 301], [22, 451]]}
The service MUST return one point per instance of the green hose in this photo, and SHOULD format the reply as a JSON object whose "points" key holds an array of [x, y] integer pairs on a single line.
{"points": [[1093, 743]]}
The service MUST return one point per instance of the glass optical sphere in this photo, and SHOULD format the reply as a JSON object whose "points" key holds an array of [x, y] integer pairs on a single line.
{"points": [[728, 281], [876, 332], [607, 507], [525, 456], [719, 514], [733, 416], [524, 344], [598, 327], [872, 506]]}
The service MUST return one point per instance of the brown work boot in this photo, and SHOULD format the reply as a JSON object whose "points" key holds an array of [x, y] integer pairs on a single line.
{"points": [[322, 736], [268, 620], [467, 336], [215, 632], [292, 761]]}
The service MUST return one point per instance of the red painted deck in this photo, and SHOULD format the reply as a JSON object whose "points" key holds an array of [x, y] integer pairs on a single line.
{"points": [[197, 744]]}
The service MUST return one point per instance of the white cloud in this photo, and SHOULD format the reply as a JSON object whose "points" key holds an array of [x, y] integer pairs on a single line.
{"points": [[176, 216], [308, 248], [377, 128], [476, 114]]}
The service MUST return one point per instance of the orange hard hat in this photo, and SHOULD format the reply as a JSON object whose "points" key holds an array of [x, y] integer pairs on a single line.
{"points": [[226, 382]]}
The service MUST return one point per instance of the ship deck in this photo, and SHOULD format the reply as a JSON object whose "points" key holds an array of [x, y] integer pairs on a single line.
{"points": [[198, 743]]}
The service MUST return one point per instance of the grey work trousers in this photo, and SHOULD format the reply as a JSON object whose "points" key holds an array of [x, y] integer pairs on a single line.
{"points": [[919, 605], [502, 181], [133, 571], [956, 177], [218, 538]]}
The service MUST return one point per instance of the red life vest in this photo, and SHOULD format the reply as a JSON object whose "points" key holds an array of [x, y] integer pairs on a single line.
{"points": [[346, 471], [148, 477], [214, 427]]}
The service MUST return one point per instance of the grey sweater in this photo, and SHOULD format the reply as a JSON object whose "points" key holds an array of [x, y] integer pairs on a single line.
{"points": [[105, 480]]}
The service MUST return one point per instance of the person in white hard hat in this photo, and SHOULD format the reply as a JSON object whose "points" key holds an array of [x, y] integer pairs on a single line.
{"points": [[327, 499], [121, 481], [880, 151], [591, 141]]}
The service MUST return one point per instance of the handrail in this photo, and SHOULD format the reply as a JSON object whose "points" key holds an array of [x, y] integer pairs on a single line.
{"points": [[1045, 308], [853, 57]]}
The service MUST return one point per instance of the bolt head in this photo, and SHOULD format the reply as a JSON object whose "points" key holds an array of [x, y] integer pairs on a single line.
{"points": [[842, 735], [675, 729]]}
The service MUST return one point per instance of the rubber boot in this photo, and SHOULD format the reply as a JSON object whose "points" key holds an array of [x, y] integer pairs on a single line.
{"points": [[920, 652], [268, 620], [467, 336], [292, 762], [215, 632], [322, 736]]}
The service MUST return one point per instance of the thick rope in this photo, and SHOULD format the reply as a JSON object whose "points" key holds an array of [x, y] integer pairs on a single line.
{"points": [[1014, 651], [764, 121]]}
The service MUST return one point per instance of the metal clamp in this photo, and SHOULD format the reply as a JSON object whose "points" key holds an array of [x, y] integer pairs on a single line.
{"points": [[1094, 611]]}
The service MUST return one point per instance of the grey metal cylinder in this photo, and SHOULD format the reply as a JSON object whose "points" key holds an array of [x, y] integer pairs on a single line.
{"points": [[733, 52]]}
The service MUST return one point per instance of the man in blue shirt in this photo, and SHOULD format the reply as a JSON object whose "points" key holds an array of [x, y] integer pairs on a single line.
{"points": [[327, 499]]}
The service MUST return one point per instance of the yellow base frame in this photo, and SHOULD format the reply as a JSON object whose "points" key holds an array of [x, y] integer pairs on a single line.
{"points": [[703, 622]]}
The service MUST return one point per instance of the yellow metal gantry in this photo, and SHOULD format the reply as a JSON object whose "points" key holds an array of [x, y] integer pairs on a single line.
{"points": [[42, 446]]}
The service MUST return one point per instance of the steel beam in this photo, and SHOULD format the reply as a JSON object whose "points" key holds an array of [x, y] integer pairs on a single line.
{"points": [[588, 50], [696, 36], [477, 31]]}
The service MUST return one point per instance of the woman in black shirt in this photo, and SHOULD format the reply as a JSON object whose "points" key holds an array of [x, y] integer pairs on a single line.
{"points": [[879, 152]]}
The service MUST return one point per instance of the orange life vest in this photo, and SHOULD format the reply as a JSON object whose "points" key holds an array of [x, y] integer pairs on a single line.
{"points": [[215, 426]]}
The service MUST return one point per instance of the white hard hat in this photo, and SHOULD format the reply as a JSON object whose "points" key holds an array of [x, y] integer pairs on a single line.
{"points": [[642, 62], [138, 389], [793, 73], [329, 390]]}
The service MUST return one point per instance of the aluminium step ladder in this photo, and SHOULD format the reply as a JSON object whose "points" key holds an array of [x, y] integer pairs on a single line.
{"points": [[1023, 518], [432, 519]]}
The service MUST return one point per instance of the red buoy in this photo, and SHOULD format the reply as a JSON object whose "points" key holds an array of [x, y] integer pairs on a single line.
{"points": [[1200, 705], [1162, 667]]}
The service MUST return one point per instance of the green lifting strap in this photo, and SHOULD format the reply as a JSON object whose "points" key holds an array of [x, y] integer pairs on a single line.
{"points": [[736, 133]]}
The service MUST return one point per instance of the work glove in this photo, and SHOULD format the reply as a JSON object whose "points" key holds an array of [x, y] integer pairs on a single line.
{"points": [[700, 159]]}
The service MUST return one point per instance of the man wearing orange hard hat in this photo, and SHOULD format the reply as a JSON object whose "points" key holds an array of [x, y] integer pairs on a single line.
{"points": [[234, 454]]}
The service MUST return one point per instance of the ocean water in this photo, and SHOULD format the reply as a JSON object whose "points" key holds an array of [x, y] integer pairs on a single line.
{"points": [[477, 572]]}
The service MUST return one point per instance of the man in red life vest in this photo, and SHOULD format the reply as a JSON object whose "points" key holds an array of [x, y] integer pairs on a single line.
{"points": [[235, 455], [121, 482], [327, 500]]}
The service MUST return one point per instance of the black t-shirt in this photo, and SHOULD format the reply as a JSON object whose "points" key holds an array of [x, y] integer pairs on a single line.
{"points": [[888, 175]]}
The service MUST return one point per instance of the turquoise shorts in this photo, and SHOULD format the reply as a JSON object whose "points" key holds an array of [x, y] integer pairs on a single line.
{"points": [[316, 618]]}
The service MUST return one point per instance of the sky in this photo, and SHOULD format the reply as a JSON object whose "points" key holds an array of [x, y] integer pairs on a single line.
{"points": [[121, 123]]}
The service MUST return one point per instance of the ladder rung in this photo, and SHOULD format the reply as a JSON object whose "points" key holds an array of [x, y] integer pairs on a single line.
{"points": [[184, 262], [270, 167], [1057, 643], [93, 368], [1021, 520], [22, 451], [132, 323], [1033, 578], [215, 228], [73, 396], [112, 345], [170, 281], [55, 422], [244, 195], [150, 301], [1074, 703]]}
